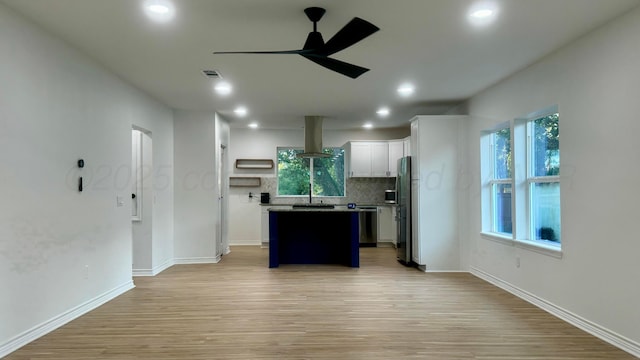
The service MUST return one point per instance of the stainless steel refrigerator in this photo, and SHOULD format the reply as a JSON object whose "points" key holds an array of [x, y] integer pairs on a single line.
{"points": [[403, 210]]}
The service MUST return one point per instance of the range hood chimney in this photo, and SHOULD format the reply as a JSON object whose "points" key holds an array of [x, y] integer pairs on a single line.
{"points": [[313, 137]]}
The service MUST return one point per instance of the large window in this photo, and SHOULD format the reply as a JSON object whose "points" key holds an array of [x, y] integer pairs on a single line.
{"points": [[325, 176], [543, 178], [500, 181], [521, 172]]}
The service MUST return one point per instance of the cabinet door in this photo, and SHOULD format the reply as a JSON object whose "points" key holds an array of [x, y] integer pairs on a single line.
{"points": [[384, 224], [396, 151], [407, 146], [417, 226], [360, 160], [380, 159], [394, 225], [415, 150], [264, 226]]}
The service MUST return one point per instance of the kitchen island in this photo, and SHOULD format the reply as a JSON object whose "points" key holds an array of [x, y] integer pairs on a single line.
{"points": [[310, 235]]}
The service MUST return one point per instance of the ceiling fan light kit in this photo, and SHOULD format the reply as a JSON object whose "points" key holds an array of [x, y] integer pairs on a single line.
{"points": [[316, 50]]}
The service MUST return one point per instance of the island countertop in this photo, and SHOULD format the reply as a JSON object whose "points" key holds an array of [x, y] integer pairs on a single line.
{"points": [[312, 209], [341, 206]]}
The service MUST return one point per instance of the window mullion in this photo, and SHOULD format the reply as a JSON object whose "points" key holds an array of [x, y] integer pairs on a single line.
{"points": [[501, 181], [543, 179], [311, 176]]}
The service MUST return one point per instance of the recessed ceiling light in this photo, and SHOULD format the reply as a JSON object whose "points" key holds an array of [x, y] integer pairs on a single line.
{"points": [[253, 125], [367, 125], [406, 89], [482, 13], [383, 111], [223, 88], [241, 111], [159, 10]]}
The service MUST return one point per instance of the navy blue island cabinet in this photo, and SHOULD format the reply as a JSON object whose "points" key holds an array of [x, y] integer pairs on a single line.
{"points": [[313, 236]]}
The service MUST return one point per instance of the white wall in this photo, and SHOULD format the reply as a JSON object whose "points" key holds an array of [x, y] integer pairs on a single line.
{"points": [[160, 198], [596, 84], [245, 213], [57, 106], [196, 197]]}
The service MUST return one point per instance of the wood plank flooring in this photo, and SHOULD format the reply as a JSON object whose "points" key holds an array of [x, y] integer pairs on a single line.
{"points": [[240, 309]]}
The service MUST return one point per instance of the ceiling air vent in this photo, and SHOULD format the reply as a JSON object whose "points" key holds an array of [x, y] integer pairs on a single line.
{"points": [[212, 74]]}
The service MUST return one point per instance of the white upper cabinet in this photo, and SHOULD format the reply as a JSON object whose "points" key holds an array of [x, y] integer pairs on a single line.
{"points": [[406, 142], [373, 158], [379, 159], [396, 151], [358, 157]]}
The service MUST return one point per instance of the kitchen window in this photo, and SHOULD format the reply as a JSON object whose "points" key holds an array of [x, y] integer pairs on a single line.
{"points": [[325, 176], [520, 165]]}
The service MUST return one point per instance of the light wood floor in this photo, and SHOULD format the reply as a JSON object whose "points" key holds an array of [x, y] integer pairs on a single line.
{"points": [[240, 309]]}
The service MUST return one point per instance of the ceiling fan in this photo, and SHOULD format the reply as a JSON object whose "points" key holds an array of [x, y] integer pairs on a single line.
{"points": [[316, 50]]}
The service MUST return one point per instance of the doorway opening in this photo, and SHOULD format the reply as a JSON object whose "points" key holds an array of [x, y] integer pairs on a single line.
{"points": [[142, 201]]}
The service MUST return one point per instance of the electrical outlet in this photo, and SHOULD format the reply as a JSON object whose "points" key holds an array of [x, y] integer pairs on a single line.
{"points": [[517, 261]]}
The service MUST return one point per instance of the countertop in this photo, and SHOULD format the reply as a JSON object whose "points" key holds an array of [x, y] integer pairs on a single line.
{"points": [[336, 205], [337, 208]]}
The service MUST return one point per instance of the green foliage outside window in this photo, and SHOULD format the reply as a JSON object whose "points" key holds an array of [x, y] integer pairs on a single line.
{"points": [[294, 173], [502, 148], [546, 146]]}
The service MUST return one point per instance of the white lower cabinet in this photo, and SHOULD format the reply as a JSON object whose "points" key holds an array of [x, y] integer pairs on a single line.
{"points": [[386, 225], [264, 226]]}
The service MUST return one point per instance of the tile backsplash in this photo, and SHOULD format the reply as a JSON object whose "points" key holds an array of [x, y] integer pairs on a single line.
{"points": [[358, 190]]}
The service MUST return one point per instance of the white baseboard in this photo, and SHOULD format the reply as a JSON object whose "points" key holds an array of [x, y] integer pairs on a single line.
{"points": [[142, 272], [197, 260], [244, 242], [155, 271], [592, 328], [58, 321], [425, 269]]}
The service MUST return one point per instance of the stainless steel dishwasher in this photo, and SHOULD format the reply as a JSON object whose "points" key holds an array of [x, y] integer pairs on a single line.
{"points": [[368, 226]]}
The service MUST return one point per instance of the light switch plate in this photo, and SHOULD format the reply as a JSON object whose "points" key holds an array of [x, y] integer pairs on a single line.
{"points": [[119, 201]]}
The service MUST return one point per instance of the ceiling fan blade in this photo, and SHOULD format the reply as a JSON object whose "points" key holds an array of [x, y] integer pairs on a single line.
{"points": [[356, 30], [346, 69], [297, 52]]}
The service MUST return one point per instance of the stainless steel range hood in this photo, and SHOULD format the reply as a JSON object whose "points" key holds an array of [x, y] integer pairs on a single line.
{"points": [[313, 137]]}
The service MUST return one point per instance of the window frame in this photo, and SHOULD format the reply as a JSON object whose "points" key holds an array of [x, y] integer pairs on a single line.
{"points": [[523, 228], [488, 172], [494, 182], [531, 179], [309, 173]]}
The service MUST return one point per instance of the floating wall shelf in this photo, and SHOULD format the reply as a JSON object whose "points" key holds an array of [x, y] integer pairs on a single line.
{"points": [[244, 181], [254, 164]]}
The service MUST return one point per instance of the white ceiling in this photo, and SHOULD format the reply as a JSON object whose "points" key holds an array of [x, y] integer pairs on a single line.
{"points": [[426, 42]]}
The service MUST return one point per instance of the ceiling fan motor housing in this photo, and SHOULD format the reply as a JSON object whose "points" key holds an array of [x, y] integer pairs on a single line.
{"points": [[314, 14], [314, 41]]}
